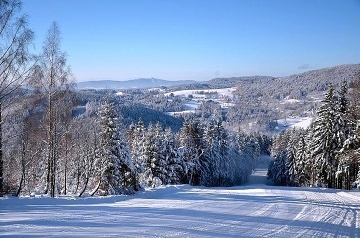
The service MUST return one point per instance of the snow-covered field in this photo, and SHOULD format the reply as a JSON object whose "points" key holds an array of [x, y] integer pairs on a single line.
{"points": [[254, 210], [190, 108], [200, 96], [298, 122], [196, 93]]}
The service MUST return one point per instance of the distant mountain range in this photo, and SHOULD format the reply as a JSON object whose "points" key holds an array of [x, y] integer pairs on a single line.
{"points": [[314, 80], [129, 84]]}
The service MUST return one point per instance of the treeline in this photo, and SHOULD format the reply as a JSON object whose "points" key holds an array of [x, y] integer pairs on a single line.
{"points": [[327, 153], [259, 101], [93, 155]]}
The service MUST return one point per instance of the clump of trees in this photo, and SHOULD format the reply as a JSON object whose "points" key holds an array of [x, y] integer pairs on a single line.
{"points": [[95, 156], [15, 62], [327, 153], [201, 153]]}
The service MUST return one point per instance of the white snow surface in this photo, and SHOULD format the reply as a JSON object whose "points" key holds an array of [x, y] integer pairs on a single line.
{"points": [[190, 108], [298, 122], [290, 101], [221, 91], [253, 210]]}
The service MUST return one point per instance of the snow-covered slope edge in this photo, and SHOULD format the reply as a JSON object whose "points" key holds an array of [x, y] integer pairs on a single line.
{"points": [[185, 211]]}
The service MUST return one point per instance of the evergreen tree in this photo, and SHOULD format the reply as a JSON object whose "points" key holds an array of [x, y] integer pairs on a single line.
{"points": [[347, 140], [249, 151], [154, 162], [238, 172], [303, 160], [325, 143], [174, 164], [191, 148], [217, 171], [212, 154], [278, 170], [117, 169], [148, 157], [291, 160], [343, 101], [136, 140], [225, 170], [160, 160]]}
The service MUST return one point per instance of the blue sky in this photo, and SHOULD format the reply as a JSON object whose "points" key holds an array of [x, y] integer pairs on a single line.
{"points": [[199, 39]]}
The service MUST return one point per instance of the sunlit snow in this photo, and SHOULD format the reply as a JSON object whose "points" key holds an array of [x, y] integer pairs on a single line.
{"points": [[200, 92], [298, 122], [253, 210]]}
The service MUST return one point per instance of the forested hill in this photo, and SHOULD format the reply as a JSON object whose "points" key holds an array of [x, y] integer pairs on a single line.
{"points": [[298, 86], [231, 82], [310, 81], [314, 80], [318, 80], [262, 101]]}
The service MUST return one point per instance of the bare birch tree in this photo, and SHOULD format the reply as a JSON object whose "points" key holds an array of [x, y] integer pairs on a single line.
{"points": [[53, 79], [15, 38]]}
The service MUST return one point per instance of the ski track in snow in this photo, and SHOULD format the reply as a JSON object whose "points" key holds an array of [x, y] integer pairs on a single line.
{"points": [[253, 210]]}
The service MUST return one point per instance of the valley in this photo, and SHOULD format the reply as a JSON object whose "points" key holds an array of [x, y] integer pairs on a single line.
{"points": [[252, 104]]}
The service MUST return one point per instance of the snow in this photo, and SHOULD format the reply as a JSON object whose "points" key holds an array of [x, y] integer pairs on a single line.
{"points": [[253, 210], [220, 91], [290, 101], [180, 113], [192, 105], [190, 108], [184, 211], [201, 95], [298, 122], [156, 90], [304, 123], [259, 175]]}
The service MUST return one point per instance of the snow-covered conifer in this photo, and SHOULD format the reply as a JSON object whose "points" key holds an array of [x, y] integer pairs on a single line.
{"points": [[324, 143], [174, 164], [117, 169], [191, 148], [291, 159], [278, 170], [303, 159]]}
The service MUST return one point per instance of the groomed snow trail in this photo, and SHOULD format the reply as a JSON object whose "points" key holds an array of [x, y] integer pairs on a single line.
{"points": [[254, 210]]}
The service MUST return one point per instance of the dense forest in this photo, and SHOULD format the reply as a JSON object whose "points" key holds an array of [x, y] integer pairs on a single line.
{"points": [[327, 153]]}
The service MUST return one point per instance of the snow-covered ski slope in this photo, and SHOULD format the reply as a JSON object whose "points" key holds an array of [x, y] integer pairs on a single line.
{"points": [[253, 210]]}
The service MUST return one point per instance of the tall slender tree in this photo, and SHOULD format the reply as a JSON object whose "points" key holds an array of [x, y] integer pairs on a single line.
{"points": [[52, 78], [15, 37]]}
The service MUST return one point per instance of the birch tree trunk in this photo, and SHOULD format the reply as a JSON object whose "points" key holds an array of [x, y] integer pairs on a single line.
{"points": [[52, 78], [15, 60]]}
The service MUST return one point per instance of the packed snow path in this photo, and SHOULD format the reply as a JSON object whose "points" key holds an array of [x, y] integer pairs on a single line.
{"points": [[254, 210], [184, 211], [259, 175]]}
